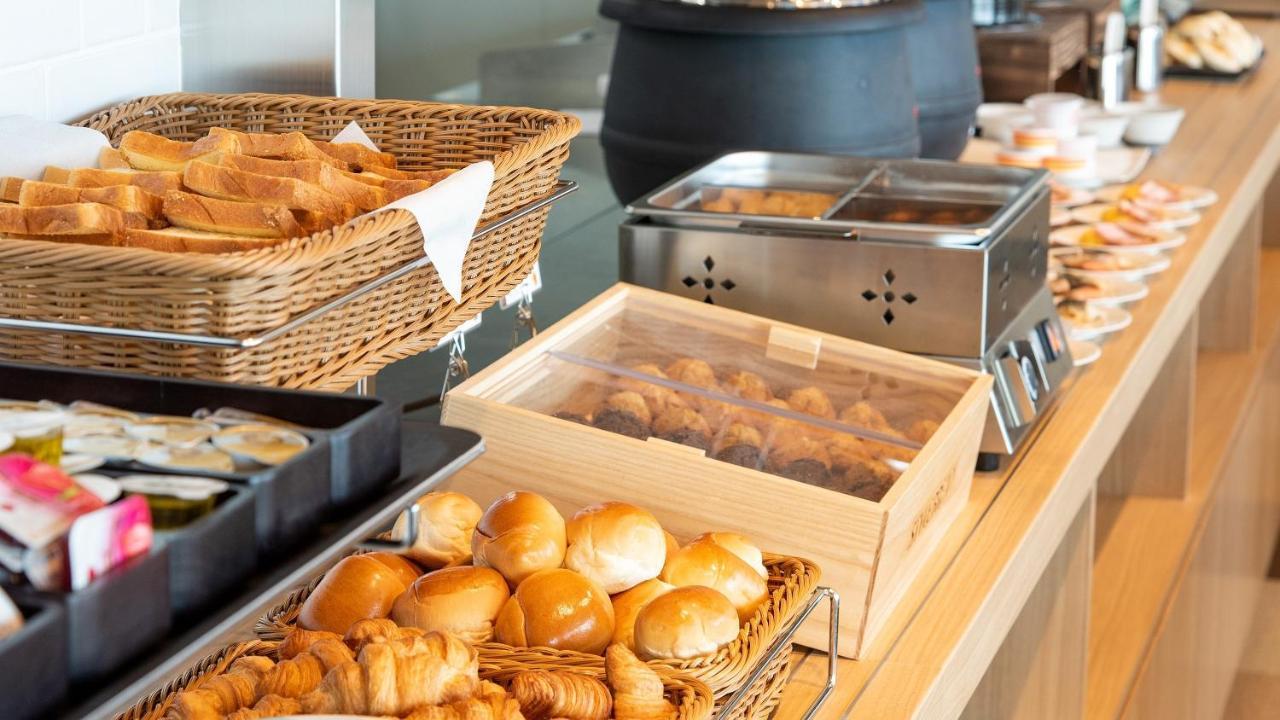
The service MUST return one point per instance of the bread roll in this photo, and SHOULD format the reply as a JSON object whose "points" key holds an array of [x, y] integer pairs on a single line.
{"points": [[685, 623], [741, 546], [627, 605], [615, 545], [704, 562], [673, 546], [520, 534], [446, 521], [406, 571], [557, 608], [357, 587], [464, 601]]}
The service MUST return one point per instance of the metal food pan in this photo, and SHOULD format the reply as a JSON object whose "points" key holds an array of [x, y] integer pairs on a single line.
{"points": [[33, 661], [354, 449]]}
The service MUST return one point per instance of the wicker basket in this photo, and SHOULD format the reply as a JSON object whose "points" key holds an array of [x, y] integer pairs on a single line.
{"points": [[691, 697], [242, 294], [792, 581]]}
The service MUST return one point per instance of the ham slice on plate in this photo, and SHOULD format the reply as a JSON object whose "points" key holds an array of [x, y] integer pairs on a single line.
{"points": [[1117, 234], [1156, 191], [1140, 212]]}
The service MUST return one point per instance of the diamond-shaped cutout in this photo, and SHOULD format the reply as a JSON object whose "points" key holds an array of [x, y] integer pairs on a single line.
{"points": [[909, 298], [889, 277], [708, 300], [708, 263], [888, 317], [688, 281], [868, 295], [728, 284]]}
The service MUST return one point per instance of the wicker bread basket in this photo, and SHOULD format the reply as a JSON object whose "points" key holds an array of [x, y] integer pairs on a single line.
{"points": [[691, 697], [243, 294], [792, 581]]}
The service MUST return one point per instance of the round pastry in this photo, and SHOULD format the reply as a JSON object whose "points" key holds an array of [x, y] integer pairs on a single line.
{"points": [[657, 397], [742, 445], [673, 546], [811, 401], [615, 545], [739, 545], [704, 562], [692, 371], [864, 415], [557, 608], [358, 587], [922, 430], [406, 571], [464, 601], [1217, 55], [625, 413], [685, 623], [869, 479], [683, 425], [518, 535], [446, 521], [749, 386], [800, 458], [1183, 51], [627, 605]]}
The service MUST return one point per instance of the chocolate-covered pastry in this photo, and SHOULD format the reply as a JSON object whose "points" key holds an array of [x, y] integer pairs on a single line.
{"points": [[800, 458], [764, 422], [658, 398], [625, 413], [742, 445], [812, 401], [855, 468], [748, 385], [692, 371], [683, 425], [863, 415]]}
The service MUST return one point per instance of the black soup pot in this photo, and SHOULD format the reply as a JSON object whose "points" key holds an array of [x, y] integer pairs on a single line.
{"points": [[945, 71], [690, 82]]}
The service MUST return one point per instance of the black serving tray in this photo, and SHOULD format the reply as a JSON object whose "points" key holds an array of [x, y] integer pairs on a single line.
{"points": [[1184, 72], [354, 450], [33, 661], [211, 556]]}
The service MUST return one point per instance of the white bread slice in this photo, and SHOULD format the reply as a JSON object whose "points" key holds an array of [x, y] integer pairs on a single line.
{"points": [[395, 189], [141, 208], [228, 216], [55, 174], [77, 219], [187, 240], [357, 155], [110, 158], [283, 146], [431, 176], [10, 188], [156, 183], [148, 151], [227, 183], [342, 184]]}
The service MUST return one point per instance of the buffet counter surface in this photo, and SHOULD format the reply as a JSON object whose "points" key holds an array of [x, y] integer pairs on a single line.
{"points": [[946, 633]]}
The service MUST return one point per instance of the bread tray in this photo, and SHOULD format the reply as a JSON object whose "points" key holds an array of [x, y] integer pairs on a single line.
{"points": [[562, 188]]}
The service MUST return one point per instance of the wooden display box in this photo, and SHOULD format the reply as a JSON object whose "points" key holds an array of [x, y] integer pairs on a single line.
{"points": [[868, 550]]}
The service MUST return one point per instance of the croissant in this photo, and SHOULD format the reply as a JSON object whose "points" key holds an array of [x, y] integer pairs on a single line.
{"points": [[388, 679], [301, 674], [376, 630], [490, 703], [222, 694], [637, 690], [299, 640], [269, 706], [544, 695]]}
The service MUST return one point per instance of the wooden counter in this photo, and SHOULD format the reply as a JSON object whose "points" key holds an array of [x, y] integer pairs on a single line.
{"points": [[1111, 570]]}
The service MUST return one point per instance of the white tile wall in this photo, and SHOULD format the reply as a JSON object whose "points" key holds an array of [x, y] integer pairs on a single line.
{"points": [[64, 59]]}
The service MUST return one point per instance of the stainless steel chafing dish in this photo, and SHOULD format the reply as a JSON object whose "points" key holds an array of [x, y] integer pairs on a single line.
{"points": [[934, 258]]}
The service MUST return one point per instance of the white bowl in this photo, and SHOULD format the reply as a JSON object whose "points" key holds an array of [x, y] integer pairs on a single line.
{"points": [[1150, 124], [1107, 127], [998, 120]]}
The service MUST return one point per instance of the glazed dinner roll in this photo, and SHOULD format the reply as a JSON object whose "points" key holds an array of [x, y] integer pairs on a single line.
{"points": [[684, 623], [627, 605], [616, 545], [704, 562], [358, 587], [463, 600], [405, 570], [446, 521], [520, 534], [673, 546], [557, 608], [739, 545]]}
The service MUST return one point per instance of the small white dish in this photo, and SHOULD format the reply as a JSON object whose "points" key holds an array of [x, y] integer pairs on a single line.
{"points": [[1065, 196], [1107, 127], [119, 448], [202, 458], [176, 431], [1120, 292], [259, 443], [1095, 265], [1190, 197], [1173, 219], [1059, 216], [76, 463], [1108, 320], [1074, 236], [6, 441], [1150, 124], [1083, 352]]}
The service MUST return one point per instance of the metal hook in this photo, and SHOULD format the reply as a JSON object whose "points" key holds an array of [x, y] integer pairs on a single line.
{"points": [[524, 320], [457, 362]]}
